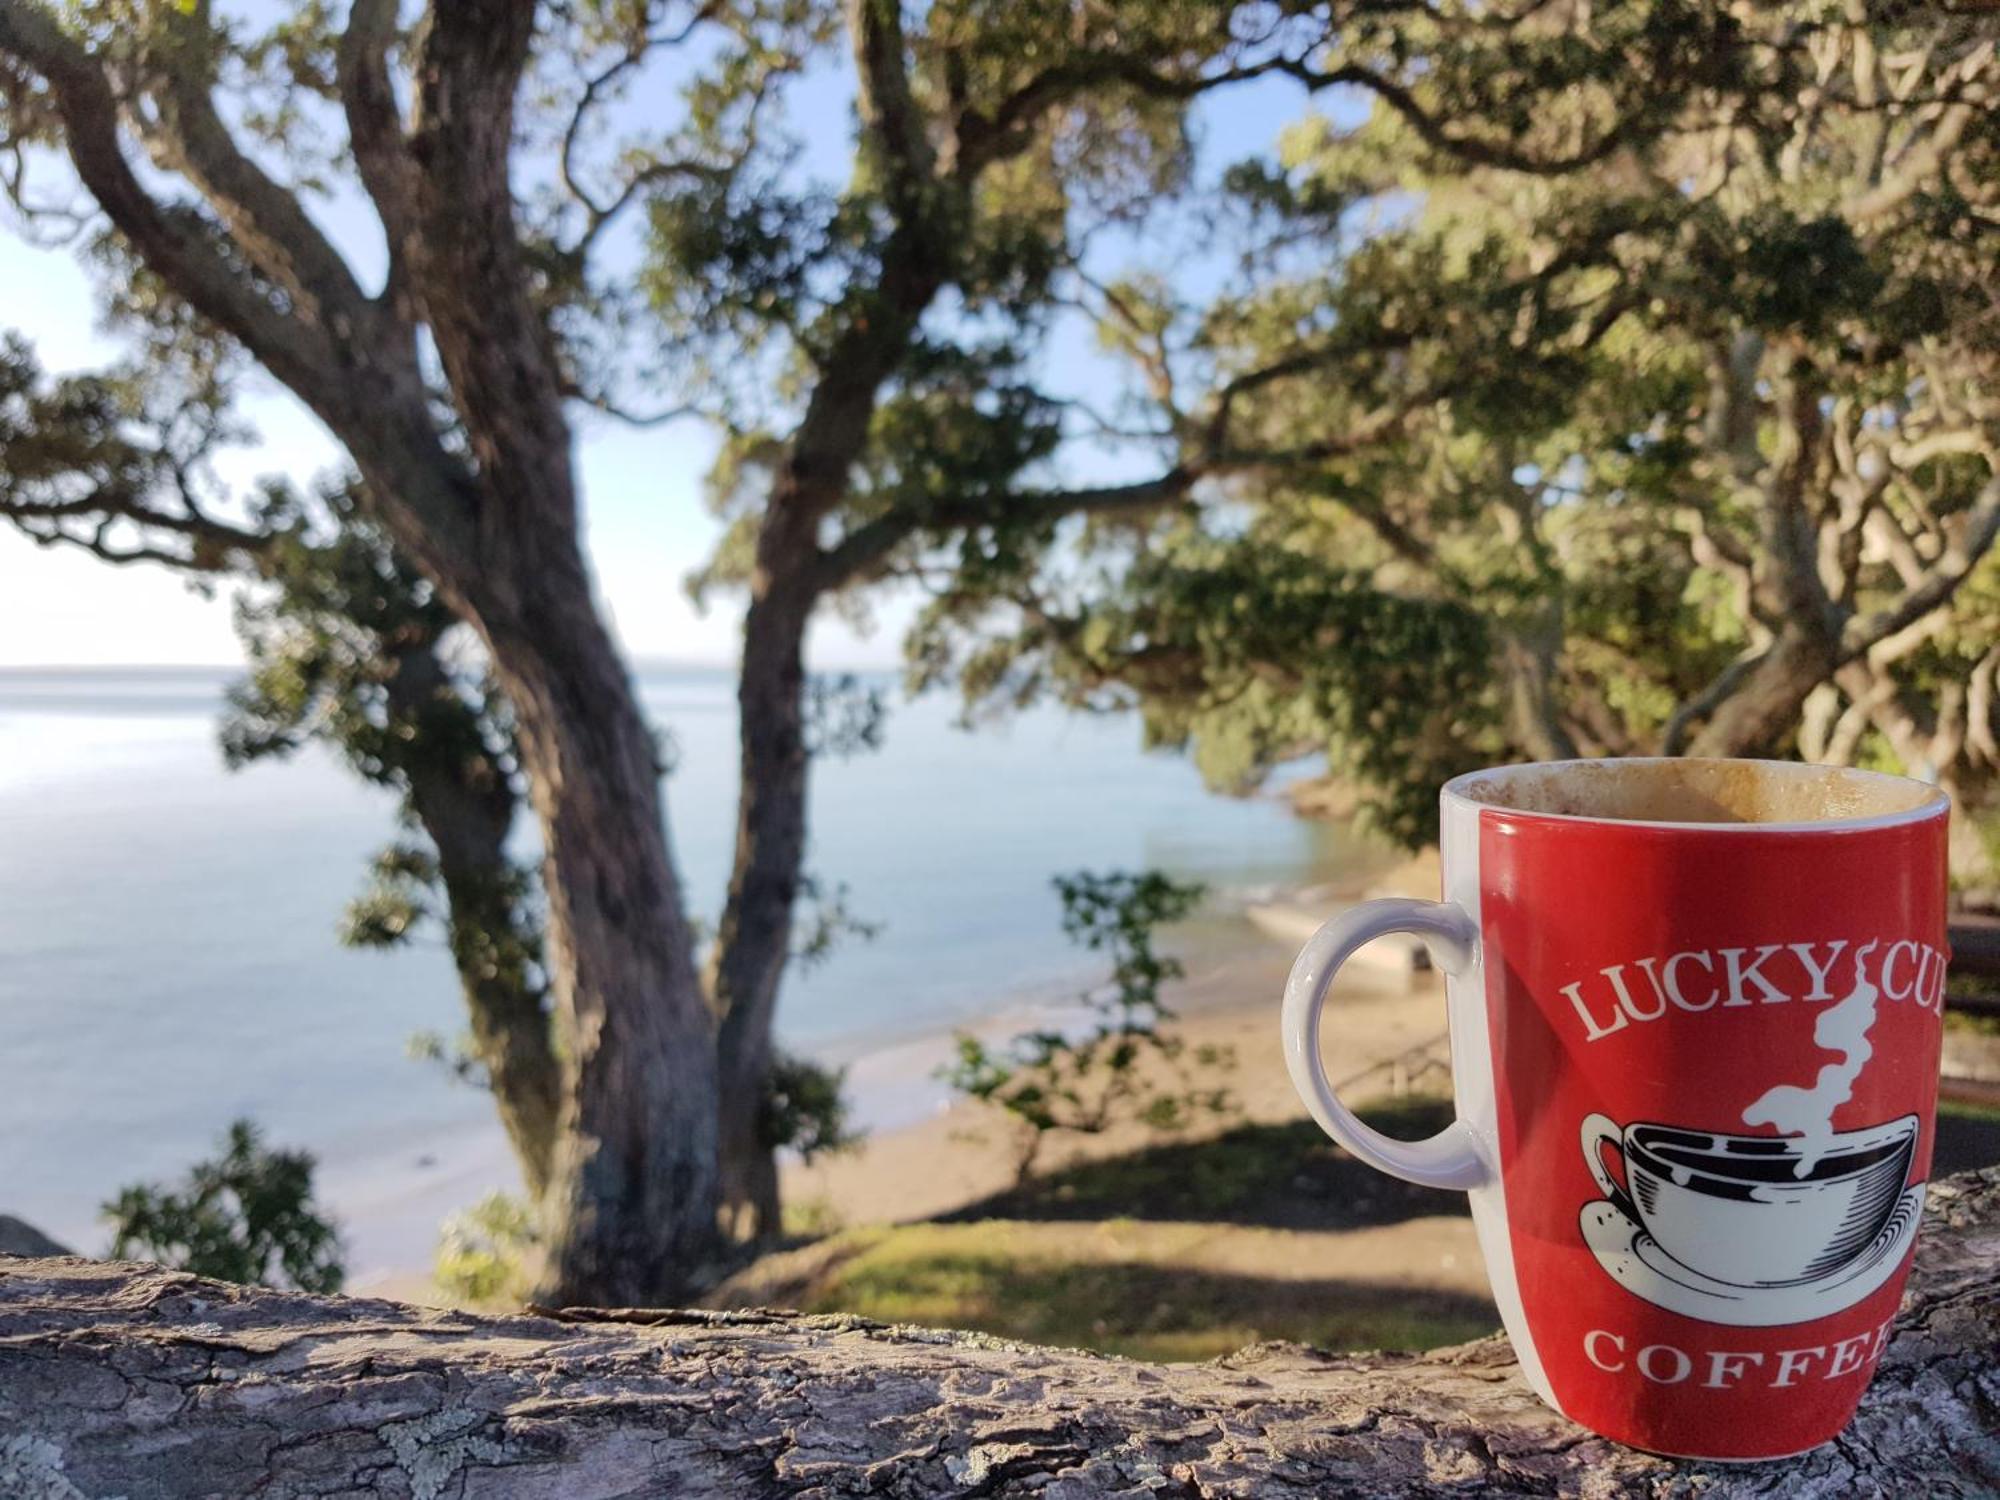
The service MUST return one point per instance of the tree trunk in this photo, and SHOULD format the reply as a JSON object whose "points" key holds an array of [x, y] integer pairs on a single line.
{"points": [[876, 324], [631, 1206], [753, 943], [1764, 707], [631, 1203], [466, 808], [155, 1385], [1529, 656]]}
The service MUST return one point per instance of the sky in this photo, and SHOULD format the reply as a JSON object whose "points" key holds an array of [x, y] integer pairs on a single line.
{"points": [[647, 526]]}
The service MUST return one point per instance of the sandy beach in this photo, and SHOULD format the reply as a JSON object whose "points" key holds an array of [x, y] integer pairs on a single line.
{"points": [[964, 1151]]}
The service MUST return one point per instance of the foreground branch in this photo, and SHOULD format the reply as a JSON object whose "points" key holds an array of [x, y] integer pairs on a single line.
{"points": [[128, 1380]]}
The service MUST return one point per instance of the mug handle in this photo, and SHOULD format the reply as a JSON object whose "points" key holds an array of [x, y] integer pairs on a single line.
{"points": [[1600, 1131], [1449, 1159]]}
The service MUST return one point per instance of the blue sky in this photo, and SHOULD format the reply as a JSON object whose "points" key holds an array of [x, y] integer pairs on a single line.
{"points": [[647, 525]]}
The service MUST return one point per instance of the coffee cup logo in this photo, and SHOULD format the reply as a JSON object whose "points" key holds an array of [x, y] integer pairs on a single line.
{"points": [[1760, 1230]]}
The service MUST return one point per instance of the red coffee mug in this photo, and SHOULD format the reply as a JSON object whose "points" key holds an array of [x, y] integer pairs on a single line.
{"points": [[1695, 1023]]}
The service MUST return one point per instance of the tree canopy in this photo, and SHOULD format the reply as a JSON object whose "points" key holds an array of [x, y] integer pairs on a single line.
{"points": [[1689, 447]]}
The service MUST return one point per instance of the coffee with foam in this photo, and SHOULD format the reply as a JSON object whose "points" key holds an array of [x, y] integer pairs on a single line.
{"points": [[1698, 791]]}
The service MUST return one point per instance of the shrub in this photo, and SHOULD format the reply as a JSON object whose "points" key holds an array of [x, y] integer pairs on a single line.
{"points": [[1128, 1066], [247, 1216]]}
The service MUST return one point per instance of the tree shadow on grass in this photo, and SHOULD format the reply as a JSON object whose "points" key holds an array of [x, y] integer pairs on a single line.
{"points": [[1149, 1311], [1287, 1176], [1967, 1138]]}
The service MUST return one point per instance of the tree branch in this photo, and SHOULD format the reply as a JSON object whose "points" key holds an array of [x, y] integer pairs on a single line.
{"points": [[89, 522], [596, 88], [867, 545], [889, 111], [470, 273], [188, 136], [394, 439], [1674, 738], [991, 136], [374, 126], [171, 241], [1972, 539]]}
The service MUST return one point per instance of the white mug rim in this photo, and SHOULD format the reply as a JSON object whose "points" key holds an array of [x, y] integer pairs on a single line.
{"points": [[1935, 803]]}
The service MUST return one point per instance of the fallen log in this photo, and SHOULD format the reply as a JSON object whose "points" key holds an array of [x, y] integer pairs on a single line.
{"points": [[127, 1380]]}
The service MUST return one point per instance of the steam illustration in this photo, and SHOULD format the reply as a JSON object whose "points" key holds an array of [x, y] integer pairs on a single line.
{"points": [[1808, 1112]]}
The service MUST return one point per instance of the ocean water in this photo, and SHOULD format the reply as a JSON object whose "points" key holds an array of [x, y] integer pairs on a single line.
{"points": [[168, 960]]}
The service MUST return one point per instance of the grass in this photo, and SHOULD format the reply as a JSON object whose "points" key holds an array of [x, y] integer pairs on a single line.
{"points": [[1180, 1251], [1959, 1119], [1120, 1287]]}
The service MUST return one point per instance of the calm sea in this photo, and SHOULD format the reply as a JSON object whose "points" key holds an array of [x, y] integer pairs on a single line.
{"points": [[167, 951]]}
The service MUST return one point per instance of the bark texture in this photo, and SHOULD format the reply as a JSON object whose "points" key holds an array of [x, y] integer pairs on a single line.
{"points": [[133, 1381]]}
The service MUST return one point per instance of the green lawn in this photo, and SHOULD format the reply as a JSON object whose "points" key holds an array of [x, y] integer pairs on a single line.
{"points": [[1180, 1251]]}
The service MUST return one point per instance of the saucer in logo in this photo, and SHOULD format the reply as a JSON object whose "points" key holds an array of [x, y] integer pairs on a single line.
{"points": [[1754, 1231], [1636, 1262]]}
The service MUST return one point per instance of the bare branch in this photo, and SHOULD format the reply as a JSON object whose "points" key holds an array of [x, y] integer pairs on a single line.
{"points": [[665, 416], [1674, 739], [374, 125], [602, 217], [596, 89], [868, 544]]}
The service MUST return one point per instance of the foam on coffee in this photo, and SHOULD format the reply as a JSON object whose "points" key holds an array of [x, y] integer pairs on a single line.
{"points": [[1696, 791]]}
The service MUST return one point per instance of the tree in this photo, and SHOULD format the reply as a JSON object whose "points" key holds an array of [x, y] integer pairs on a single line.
{"points": [[446, 386], [348, 647], [870, 344], [1686, 448], [899, 321]]}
